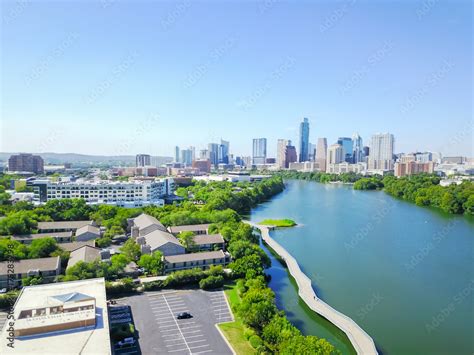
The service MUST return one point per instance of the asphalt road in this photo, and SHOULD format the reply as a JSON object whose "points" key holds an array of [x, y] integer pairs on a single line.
{"points": [[161, 333]]}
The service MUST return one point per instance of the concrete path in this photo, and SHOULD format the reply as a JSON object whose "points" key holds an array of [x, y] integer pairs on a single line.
{"points": [[361, 341]]}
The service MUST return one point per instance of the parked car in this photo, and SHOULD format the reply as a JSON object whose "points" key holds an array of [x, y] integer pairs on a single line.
{"points": [[126, 342], [184, 315], [3, 290]]}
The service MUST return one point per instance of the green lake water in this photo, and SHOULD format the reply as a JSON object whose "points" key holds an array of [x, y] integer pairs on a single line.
{"points": [[404, 273]]}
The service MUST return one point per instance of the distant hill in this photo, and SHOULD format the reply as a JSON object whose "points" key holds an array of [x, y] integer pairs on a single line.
{"points": [[85, 160]]}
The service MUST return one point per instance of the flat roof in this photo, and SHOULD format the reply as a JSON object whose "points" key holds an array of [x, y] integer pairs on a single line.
{"points": [[23, 266], [90, 340], [205, 255], [63, 224]]}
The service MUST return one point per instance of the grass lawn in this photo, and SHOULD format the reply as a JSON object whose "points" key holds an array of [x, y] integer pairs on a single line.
{"points": [[234, 331], [279, 222]]}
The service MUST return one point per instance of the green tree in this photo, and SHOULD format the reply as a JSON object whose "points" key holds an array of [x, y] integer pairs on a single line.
{"points": [[42, 248], [186, 239], [131, 250], [153, 264]]}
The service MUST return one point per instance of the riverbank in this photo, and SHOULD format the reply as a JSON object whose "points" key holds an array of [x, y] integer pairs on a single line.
{"points": [[360, 340]]}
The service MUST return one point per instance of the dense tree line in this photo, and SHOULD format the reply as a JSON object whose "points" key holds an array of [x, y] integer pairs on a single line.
{"points": [[319, 176]]}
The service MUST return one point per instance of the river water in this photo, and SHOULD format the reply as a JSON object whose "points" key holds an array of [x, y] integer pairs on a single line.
{"points": [[404, 273]]}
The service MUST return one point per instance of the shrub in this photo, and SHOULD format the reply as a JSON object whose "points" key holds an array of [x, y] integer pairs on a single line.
{"points": [[8, 299], [211, 282], [125, 285], [154, 285], [255, 341], [248, 332]]}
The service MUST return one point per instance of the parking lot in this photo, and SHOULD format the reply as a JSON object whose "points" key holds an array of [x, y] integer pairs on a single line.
{"points": [[160, 332], [3, 318]]}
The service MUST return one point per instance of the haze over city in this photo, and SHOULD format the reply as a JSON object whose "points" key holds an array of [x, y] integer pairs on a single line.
{"points": [[172, 73]]}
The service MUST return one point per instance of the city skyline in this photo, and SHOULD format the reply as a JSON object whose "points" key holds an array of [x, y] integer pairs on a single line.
{"points": [[285, 62]]}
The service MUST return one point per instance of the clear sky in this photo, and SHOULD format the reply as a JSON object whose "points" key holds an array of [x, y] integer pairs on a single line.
{"points": [[126, 77]]}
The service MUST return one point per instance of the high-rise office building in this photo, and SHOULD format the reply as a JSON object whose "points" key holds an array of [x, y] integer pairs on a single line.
{"points": [[142, 160], [321, 153], [335, 155], [381, 151], [187, 156], [304, 140], [26, 163], [193, 152], [311, 152], [203, 154], [177, 155], [290, 154], [223, 154], [213, 153], [346, 143], [357, 148], [259, 151], [281, 152]]}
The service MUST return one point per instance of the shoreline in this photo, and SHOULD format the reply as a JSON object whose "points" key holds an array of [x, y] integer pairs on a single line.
{"points": [[360, 340]]}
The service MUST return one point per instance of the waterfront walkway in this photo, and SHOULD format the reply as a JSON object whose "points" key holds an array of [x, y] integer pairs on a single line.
{"points": [[361, 341]]}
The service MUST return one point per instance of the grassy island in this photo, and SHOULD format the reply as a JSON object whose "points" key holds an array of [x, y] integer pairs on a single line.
{"points": [[279, 222]]}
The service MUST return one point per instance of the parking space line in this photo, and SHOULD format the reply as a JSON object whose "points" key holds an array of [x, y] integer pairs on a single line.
{"points": [[173, 351], [166, 326], [199, 346], [177, 325], [171, 345], [202, 352], [169, 335], [196, 341], [192, 331], [194, 336], [187, 323], [192, 326], [168, 330]]}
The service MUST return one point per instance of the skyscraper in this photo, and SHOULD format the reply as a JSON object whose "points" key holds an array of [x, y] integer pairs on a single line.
{"points": [[357, 148], [304, 140], [321, 153], [176, 154], [290, 154], [213, 151], [346, 143], [335, 155], [381, 151], [259, 151], [281, 152], [142, 160], [223, 154], [187, 156]]}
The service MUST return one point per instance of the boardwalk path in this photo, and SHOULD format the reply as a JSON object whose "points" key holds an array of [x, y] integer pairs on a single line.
{"points": [[361, 341]]}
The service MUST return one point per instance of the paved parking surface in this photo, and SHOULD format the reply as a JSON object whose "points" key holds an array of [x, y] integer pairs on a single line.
{"points": [[160, 332], [3, 318]]}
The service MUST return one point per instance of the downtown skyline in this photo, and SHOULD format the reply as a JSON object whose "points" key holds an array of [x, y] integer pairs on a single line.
{"points": [[249, 79]]}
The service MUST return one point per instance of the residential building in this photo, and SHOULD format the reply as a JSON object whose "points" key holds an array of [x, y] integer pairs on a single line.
{"points": [[145, 224], [259, 151], [357, 148], [304, 140], [26, 163], [290, 155], [413, 167], [321, 153], [87, 254], [60, 237], [87, 232], [424, 157], [281, 152], [202, 260], [345, 167], [347, 148], [60, 318], [62, 226], [142, 160], [46, 268], [306, 166], [204, 166], [197, 229], [208, 242], [162, 241], [335, 155], [381, 151], [135, 193], [70, 246]]}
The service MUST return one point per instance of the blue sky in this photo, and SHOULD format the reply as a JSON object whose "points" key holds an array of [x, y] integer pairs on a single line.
{"points": [[127, 77]]}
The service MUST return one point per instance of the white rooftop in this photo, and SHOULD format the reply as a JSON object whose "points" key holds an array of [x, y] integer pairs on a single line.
{"points": [[90, 340]]}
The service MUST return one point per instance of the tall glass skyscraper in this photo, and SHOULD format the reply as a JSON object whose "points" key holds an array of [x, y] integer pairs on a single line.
{"points": [[304, 140], [259, 151], [358, 148], [224, 152], [346, 143], [213, 152]]}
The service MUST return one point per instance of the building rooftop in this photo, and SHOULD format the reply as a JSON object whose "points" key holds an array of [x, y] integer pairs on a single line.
{"points": [[145, 220], [63, 225], [88, 340], [158, 238], [206, 255], [88, 228], [76, 245], [41, 235], [23, 266], [188, 228], [208, 239], [85, 253]]}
